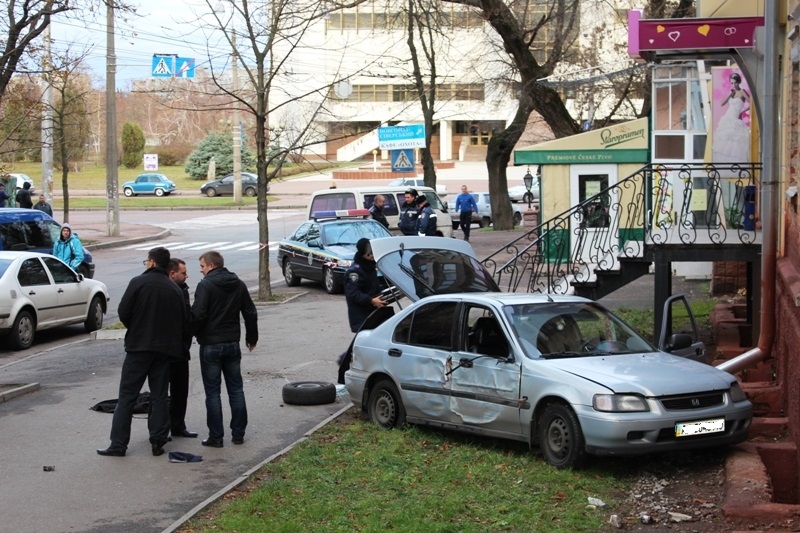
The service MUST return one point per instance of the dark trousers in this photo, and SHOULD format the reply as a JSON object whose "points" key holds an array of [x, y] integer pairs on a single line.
{"points": [[137, 367], [218, 361], [178, 394], [466, 223]]}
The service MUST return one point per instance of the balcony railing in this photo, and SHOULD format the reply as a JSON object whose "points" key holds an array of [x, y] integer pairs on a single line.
{"points": [[658, 205]]}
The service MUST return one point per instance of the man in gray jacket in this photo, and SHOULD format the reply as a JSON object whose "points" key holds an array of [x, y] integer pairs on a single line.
{"points": [[218, 301]]}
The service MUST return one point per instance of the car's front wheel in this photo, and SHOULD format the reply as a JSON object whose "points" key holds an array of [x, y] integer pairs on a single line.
{"points": [[291, 278], [332, 283], [159, 192], [456, 224], [250, 192], [527, 198], [211, 192], [94, 318], [23, 331], [127, 191], [517, 218], [561, 438], [484, 223], [385, 407]]}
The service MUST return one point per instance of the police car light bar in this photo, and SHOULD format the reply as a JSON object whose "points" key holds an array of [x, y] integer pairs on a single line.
{"points": [[341, 213]]}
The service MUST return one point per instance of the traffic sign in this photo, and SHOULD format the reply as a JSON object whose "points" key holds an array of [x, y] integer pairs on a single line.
{"points": [[403, 160], [163, 66], [398, 137], [184, 67]]}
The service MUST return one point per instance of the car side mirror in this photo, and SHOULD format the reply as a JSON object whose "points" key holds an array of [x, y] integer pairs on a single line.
{"points": [[678, 341], [80, 277], [314, 243]]}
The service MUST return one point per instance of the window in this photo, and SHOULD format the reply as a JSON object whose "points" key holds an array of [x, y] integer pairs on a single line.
{"points": [[484, 335], [302, 231], [61, 273], [390, 208], [328, 202], [32, 273], [432, 325], [11, 235]]}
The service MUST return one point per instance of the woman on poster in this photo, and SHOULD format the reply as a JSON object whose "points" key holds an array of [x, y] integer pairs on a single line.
{"points": [[732, 136]]}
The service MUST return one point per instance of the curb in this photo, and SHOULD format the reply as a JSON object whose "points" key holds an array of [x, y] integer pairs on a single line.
{"points": [[108, 334], [18, 391], [246, 475], [132, 240]]}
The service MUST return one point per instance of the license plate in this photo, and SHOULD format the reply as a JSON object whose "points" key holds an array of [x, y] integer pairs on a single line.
{"points": [[701, 427]]}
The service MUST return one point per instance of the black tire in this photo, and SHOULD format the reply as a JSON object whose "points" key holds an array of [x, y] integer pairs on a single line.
{"points": [[385, 407], [127, 191], [560, 437], [332, 284], [456, 225], [250, 192], [84, 271], [517, 218], [94, 318], [484, 222], [527, 198], [309, 393], [22, 331], [292, 280], [159, 192], [211, 192]]}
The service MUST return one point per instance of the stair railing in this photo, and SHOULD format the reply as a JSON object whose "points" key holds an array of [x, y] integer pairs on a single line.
{"points": [[622, 220]]}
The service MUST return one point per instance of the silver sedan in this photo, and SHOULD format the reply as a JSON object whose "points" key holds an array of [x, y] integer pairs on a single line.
{"points": [[561, 373]]}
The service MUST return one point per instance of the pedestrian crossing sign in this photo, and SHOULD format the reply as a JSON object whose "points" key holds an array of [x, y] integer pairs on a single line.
{"points": [[163, 66], [403, 160]]}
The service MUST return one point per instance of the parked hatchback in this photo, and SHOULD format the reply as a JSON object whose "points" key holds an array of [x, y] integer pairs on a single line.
{"points": [[157, 184], [39, 291], [224, 186]]}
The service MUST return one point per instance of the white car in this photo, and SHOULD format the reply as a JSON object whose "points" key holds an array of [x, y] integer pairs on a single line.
{"points": [[518, 193], [441, 190], [39, 291], [21, 179]]}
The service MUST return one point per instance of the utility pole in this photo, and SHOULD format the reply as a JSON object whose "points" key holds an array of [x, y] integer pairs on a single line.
{"points": [[112, 198], [47, 122], [237, 131]]}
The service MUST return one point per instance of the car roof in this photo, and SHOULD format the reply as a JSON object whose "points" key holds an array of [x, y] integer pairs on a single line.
{"points": [[22, 213], [6, 254], [372, 189]]}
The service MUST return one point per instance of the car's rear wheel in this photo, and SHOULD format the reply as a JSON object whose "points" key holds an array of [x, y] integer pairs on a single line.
{"points": [[159, 192], [456, 224], [292, 280], [484, 222], [211, 192], [517, 218], [385, 407], [127, 191], [561, 438], [84, 271], [527, 198], [94, 318], [332, 283], [250, 191], [22, 331]]}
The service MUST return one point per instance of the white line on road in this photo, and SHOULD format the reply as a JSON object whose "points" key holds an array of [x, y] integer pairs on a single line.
{"points": [[207, 245], [232, 246]]}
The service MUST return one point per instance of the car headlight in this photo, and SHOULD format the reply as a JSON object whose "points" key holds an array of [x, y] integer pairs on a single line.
{"points": [[737, 394], [619, 403], [344, 263]]}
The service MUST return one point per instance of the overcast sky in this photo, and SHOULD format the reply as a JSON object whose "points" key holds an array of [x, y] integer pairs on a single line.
{"points": [[162, 27]]}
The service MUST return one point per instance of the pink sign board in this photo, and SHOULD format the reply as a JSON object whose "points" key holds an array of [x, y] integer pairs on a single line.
{"points": [[698, 34]]}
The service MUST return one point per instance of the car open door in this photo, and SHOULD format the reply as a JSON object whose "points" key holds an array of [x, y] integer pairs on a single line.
{"points": [[679, 330]]}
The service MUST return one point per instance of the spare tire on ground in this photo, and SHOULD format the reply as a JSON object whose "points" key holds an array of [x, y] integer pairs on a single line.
{"points": [[309, 393]]}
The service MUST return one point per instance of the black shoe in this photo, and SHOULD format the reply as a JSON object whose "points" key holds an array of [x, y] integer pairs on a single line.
{"points": [[158, 449], [184, 433], [112, 451], [238, 440], [213, 443]]}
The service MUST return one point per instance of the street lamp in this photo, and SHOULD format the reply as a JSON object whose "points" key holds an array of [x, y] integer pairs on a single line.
{"points": [[527, 179]]}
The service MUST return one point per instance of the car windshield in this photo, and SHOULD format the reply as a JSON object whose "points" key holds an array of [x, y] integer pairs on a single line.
{"points": [[550, 330], [343, 233]]}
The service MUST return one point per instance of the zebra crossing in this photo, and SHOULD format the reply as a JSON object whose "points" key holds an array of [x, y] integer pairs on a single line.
{"points": [[228, 219], [198, 246]]}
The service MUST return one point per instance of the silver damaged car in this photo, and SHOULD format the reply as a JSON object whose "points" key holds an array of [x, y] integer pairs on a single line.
{"points": [[561, 373]]}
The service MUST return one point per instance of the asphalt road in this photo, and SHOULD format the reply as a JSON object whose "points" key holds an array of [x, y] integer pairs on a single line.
{"points": [[141, 493]]}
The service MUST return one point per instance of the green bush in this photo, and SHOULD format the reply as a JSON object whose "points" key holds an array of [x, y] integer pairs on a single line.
{"points": [[220, 147], [132, 145]]}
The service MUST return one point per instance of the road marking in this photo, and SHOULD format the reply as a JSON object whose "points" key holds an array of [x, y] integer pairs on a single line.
{"points": [[244, 246], [232, 246], [207, 245], [139, 246]]}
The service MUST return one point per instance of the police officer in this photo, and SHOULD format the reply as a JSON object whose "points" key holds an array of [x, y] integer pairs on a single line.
{"points": [[426, 224], [409, 213]]}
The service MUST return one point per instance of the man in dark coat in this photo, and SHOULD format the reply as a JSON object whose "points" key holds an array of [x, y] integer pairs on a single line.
{"points": [[362, 293], [409, 213], [377, 210], [218, 301], [427, 218], [23, 196], [179, 367], [154, 311]]}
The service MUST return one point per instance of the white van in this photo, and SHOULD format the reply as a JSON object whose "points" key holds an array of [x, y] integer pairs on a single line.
{"points": [[363, 197]]}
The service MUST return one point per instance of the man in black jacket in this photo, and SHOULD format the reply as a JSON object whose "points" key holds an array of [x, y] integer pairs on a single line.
{"points": [[154, 311], [409, 213], [23, 196], [218, 301], [179, 367]]}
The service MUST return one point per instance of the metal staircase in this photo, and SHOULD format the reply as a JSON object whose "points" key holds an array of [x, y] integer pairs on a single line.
{"points": [[613, 237]]}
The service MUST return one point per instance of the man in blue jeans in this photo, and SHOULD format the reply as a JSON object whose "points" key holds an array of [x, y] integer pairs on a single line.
{"points": [[219, 299]]}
